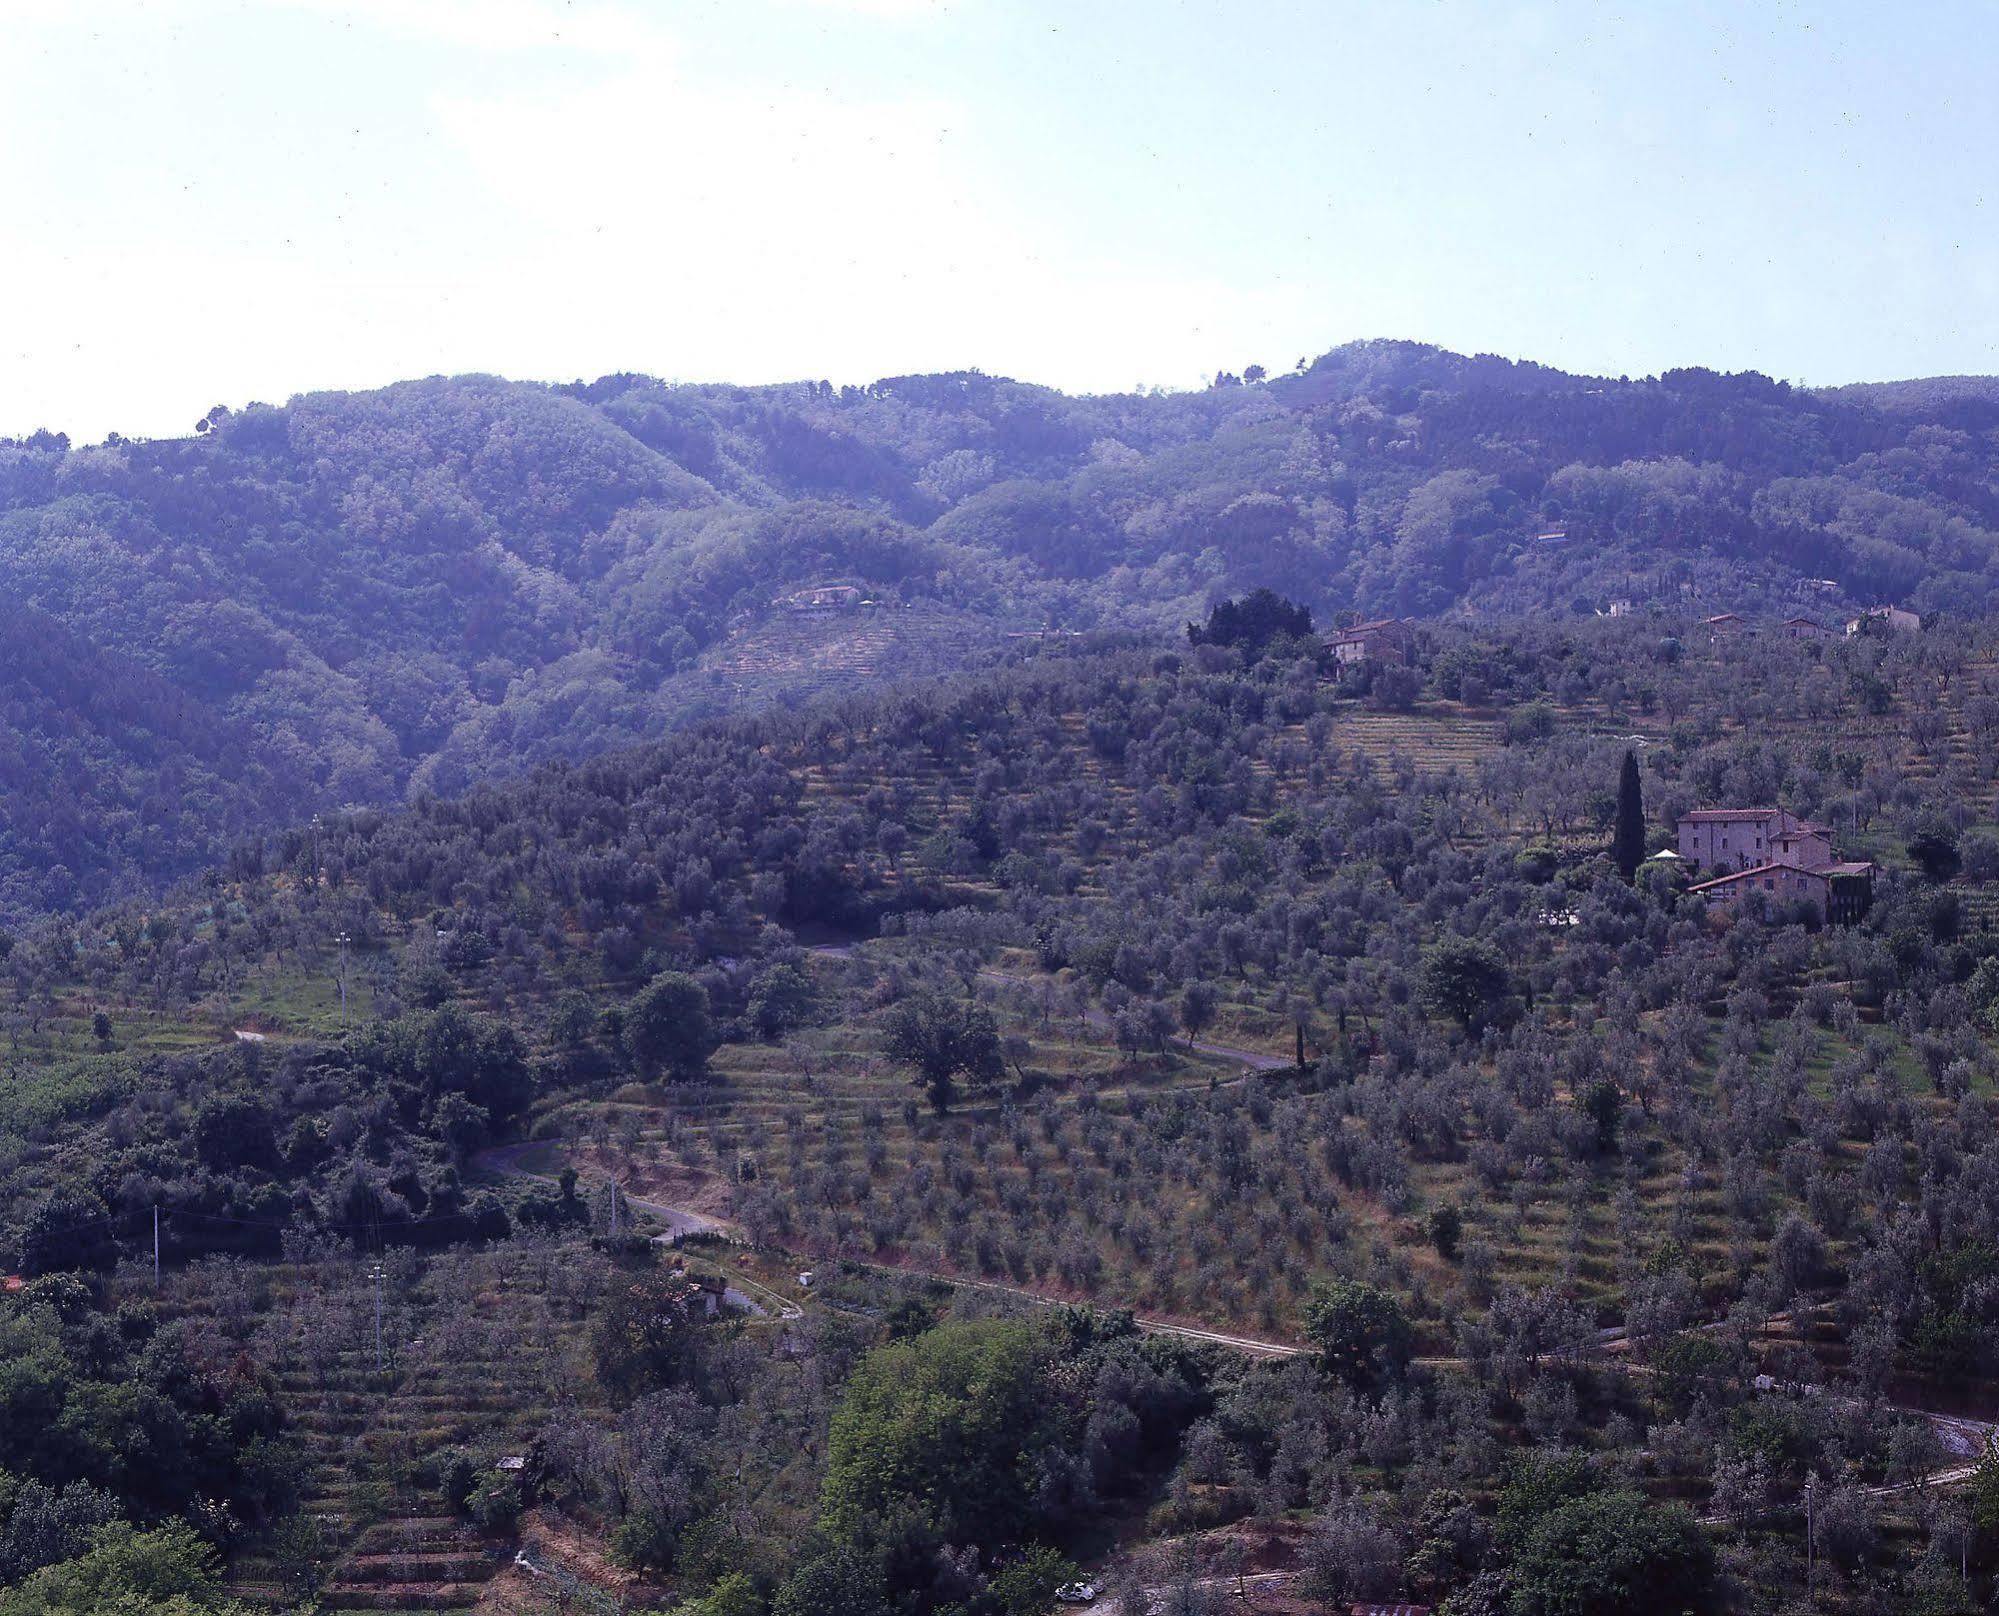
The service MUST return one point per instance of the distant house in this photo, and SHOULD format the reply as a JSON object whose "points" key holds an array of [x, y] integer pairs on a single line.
{"points": [[1725, 625], [1823, 586], [1385, 640], [1554, 533], [1620, 608], [1807, 628], [825, 598], [1883, 619]]}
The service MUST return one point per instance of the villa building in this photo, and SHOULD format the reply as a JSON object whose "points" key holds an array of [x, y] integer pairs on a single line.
{"points": [[1773, 851]]}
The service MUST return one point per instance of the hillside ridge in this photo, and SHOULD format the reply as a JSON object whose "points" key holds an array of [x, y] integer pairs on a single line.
{"points": [[406, 591]]}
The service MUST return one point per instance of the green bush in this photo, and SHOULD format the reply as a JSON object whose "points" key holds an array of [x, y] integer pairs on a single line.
{"points": [[495, 1503]]}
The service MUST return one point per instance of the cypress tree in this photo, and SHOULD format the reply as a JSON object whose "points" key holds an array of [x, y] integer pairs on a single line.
{"points": [[1627, 847]]}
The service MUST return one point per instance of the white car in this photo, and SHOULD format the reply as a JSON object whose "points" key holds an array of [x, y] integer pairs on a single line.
{"points": [[1076, 1593]]}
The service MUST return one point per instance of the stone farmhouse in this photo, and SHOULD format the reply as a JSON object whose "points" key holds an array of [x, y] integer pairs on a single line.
{"points": [[1385, 640], [1772, 851], [1893, 619]]}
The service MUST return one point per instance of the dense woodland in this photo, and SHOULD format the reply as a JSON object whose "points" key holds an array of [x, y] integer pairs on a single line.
{"points": [[351, 600]]}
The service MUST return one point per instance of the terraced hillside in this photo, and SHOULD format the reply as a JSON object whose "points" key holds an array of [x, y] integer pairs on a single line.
{"points": [[479, 1351], [1182, 1183], [798, 655]]}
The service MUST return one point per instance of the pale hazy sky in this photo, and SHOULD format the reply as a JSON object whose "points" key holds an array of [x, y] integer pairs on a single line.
{"points": [[212, 201]]}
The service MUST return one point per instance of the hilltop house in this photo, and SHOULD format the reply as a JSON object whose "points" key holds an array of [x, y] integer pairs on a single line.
{"points": [[824, 598], [1725, 625], [1807, 628], [1877, 618], [1773, 851], [1386, 640]]}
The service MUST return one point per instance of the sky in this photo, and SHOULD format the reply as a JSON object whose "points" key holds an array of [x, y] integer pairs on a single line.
{"points": [[219, 201]]}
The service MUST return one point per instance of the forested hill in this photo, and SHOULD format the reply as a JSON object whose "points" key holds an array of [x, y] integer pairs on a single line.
{"points": [[359, 596]]}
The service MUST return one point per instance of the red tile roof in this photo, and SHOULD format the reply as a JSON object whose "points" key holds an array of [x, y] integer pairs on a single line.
{"points": [[1830, 870], [1761, 869]]}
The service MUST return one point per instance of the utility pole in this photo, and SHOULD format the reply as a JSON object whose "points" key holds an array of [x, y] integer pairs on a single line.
{"points": [[343, 940], [156, 1245], [377, 1273], [1811, 1541]]}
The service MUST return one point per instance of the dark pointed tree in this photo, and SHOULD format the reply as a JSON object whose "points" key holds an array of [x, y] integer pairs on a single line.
{"points": [[1627, 847]]}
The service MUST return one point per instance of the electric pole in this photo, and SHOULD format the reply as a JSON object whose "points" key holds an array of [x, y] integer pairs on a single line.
{"points": [[343, 940], [156, 1245], [1811, 1496], [377, 1273]]}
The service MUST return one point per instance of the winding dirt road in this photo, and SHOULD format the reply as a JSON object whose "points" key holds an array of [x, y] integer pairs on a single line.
{"points": [[505, 1160]]}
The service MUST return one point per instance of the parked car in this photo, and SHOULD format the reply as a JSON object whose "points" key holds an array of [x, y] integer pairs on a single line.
{"points": [[1077, 1593]]}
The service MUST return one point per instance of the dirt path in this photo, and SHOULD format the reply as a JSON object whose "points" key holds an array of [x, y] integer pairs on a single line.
{"points": [[680, 1221], [1251, 1345], [1146, 1601]]}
